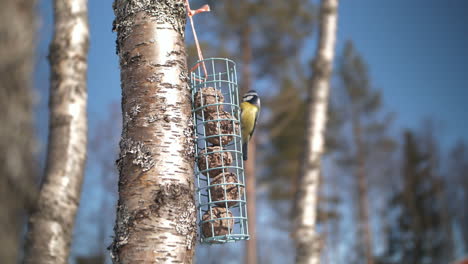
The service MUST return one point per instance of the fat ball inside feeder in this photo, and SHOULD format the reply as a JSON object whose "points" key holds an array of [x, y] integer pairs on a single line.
{"points": [[216, 158], [229, 191], [221, 126], [207, 96], [218, 226]]}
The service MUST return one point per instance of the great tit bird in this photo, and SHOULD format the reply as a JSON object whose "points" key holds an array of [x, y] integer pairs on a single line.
{"points": [[250, 108]]}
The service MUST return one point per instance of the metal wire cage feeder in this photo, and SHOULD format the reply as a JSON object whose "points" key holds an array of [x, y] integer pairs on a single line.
{"points": [[221, 205]]}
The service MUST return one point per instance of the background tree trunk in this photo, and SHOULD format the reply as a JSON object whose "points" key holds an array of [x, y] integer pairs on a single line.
{"points": [[363, 200], [251, 244], [17, 140], [308, 245], [51, 225], [156, 217]]}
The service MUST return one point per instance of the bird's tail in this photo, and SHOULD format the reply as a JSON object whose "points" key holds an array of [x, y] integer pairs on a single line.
{"points": [[244, 151]]}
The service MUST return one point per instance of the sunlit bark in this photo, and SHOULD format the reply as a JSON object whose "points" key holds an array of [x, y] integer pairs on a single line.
{"points": [[308, 244], [51, 225], [156, 220]]}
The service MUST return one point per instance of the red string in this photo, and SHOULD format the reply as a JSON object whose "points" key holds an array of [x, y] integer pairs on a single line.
{"points": [[191, 13]]}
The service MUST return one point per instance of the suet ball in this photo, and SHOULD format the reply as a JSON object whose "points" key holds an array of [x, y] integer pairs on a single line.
{"points": [[214, 159], [207, 96], [226, 191], [219, 226], [225, 127]]}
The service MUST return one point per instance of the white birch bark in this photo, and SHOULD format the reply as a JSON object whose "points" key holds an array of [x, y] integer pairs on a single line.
{"points": [[308, 244], [156, 220], [51, 225]]}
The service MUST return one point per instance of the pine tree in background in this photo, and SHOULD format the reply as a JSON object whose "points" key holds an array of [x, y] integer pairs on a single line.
{"points": [[457, 189], [286, 129], [418, 233], [430, 142], [276, 33], [366, 138], [288, 120]]}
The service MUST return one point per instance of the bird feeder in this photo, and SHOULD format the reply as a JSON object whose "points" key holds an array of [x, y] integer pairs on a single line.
{"points": [[221, 205]]}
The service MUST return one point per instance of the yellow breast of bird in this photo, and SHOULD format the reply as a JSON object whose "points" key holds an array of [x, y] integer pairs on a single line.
{"points": [[249, 112]]}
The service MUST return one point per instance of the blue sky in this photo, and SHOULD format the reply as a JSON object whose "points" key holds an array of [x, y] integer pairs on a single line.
{"points": [[417, 53]]}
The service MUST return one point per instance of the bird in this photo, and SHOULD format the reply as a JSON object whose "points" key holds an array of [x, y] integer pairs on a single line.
{"points": [[250, 109]]}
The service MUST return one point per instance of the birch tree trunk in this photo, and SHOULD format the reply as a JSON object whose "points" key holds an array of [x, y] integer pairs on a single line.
{"points": [[156, 220], [51, 225], [308, 245], [17, 140]]}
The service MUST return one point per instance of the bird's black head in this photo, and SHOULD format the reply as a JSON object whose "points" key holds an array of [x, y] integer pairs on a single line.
{"points": [[251, 97]]}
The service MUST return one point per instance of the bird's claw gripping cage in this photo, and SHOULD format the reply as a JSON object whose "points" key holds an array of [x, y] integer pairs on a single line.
{"points": [[221, 205]]}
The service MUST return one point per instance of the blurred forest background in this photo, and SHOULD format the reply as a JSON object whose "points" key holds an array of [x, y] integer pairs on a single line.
{"points": [[395, 178]]}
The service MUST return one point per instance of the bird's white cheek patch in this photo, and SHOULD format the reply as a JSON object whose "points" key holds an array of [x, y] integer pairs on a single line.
{"points": [[248, 98]]}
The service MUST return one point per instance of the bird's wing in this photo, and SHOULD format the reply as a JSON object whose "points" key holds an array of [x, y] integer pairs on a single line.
{"points": [[255, 122]]}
